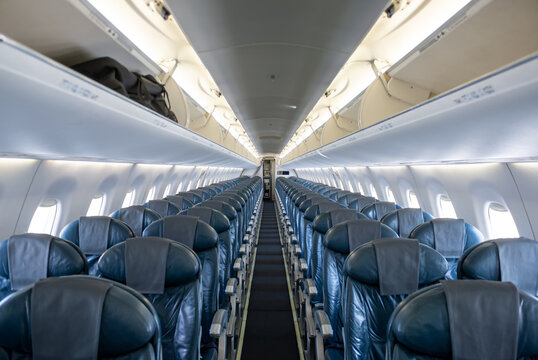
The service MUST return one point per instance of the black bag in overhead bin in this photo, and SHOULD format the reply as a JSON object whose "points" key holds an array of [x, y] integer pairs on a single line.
{"points": [[144, 89]]}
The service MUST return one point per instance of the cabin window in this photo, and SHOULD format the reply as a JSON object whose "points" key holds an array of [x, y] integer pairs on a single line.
{"points": [[151, 194], [188, 186], [372, 191], [361, 190], [44, 218], [349, 186], [390, 195], [96, 205], [179, 187], [501, 222], [128, 200], [412, 199], [167, 190], [446, 209]]}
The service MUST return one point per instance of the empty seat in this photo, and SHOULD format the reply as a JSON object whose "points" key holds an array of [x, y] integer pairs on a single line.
{"points": [[168, 274], [162, 207], [192, 197], [341, 196], [403, 221], [239, 220], [360, 202], [180, 201], [514, 260], [204, 194], [204, 240], [27, 258], [451, 237], [309, 201], [340, 240], [137, 217], [377, 277], [79, 317], [95, 234], [465, 319], [378, 209], [230, 213], [221, 224]]}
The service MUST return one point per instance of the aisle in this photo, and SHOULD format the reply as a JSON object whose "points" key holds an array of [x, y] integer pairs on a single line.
{"points": [[270, 332]]}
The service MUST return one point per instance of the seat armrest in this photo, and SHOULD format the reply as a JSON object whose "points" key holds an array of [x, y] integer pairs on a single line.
{"points": [[323, 325], [231, 286], [293, 239], [297, 250], [303, 267], [238, 264], [218, 325], [309, 287], [246, 239], [243, 249]]}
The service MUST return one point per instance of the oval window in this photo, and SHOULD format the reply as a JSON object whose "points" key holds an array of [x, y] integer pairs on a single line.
{"points": [[446, 209], [44, 218], [96, 205], [501, 222], [128, 200], [412, 199]]}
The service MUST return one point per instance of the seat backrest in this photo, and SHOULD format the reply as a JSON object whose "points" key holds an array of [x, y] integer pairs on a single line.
{"points": [[204, 240], [238, 209], [180, 201], [339, 241], [92, 317], [378, 209], [192, 197], [377, 277], [514, 260], [204, 194], [162, 207], [27, 258], [341, 194], [403, 221], [465, 319], [321, 224], [94, 235], [360, 202], [451, 237], [168, 274], [230, 213], [137, 217], [345, 199], [221, 224], [333, 194]]}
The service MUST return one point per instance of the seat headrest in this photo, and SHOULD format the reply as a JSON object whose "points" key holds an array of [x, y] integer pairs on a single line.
{"points": [[188, 230], [378, 209], [349, 235], [168, 264], [27, 258], [180, 201], [324, 221], [137, 217], [425, 315], [235, 196], [229, 200], [300, 199], [162, 207], [403, 221], [361, 202], [448, 236], [513, 260], [362, 264], [95, 318], [215, 218], [94, 234], [349, 197], [221, 206], [311, 200], [192, 197], [321, 207]]}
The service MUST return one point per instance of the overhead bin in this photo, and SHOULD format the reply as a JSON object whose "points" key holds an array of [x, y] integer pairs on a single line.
{"points": [[492, 118], [51, 112]]}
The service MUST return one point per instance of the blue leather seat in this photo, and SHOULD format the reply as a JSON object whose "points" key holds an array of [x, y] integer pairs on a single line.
{"points": [[204, 194], [162, 207], [309, 201], [94, 235], [360, 202], [377, 277], [211, 190], [339, 241], [204, 240], [341, 196], [321, 224], [403, 221], [377, 210], [137, 217], [221, 224], [27, 258], [192, 197], [230, 213], [451, 237], [471, 319], [95, 319], [333, 194], [238, 220], [168, 274], [243, 220], [181, 202], [514, 260]]}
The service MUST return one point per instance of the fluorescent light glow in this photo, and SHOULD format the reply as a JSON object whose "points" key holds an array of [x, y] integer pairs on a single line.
{"points": [[164, 42], [389, 40]]}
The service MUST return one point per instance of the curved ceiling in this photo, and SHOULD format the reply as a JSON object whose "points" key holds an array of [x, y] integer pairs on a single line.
{"points": [[273, 60]]}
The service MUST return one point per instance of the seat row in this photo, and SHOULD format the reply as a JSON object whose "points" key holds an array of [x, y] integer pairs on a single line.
{"points": [[361, 266], [168, 278]]}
